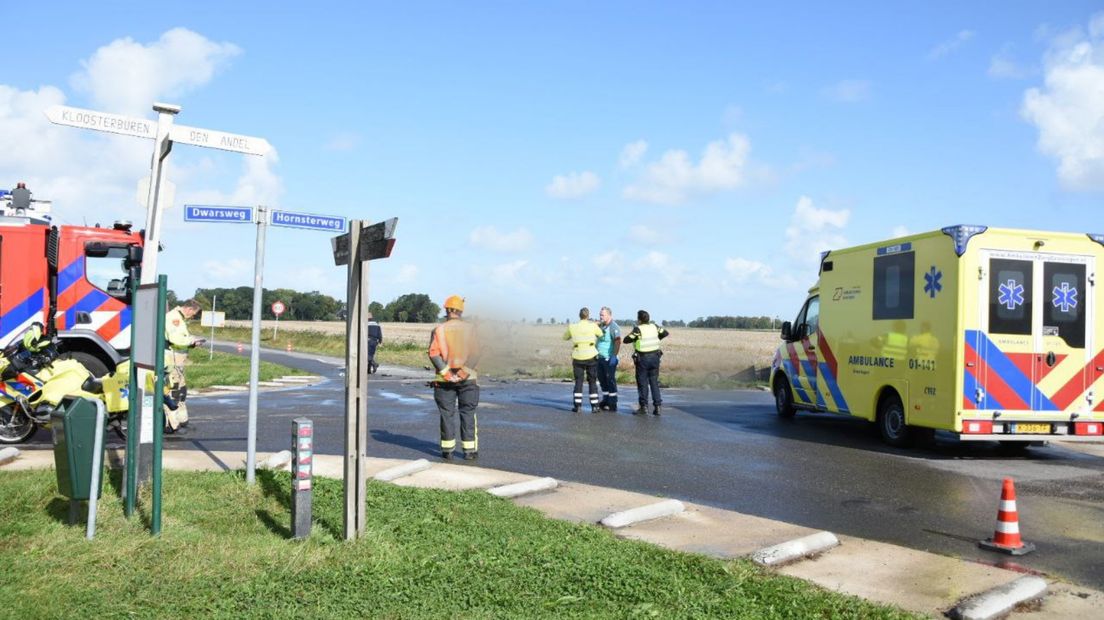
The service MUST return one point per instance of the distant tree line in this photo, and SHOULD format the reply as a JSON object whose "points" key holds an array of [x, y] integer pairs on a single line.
{"points": [[237, 303], [409, 308], [733, 322]]}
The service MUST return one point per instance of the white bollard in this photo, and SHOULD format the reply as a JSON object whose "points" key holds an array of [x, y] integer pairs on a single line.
{"points": [[403, 470], [794, 549], [1000, 600], [518, 489], [8, 455], [658, 510]]}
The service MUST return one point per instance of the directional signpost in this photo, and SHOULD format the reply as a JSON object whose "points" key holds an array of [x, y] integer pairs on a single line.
{"points": [[362, 243], [164, 134]]}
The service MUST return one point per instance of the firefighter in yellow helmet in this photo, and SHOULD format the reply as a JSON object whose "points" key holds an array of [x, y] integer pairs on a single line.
{"points": [[584, 335], [454, 352], [177, 342]]}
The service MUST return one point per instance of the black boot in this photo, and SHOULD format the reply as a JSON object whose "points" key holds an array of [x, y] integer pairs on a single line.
{"points": [[643, 410], [655, 411]]}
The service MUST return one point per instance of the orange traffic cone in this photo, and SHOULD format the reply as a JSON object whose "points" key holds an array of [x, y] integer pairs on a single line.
{"points": [[1006, 538], [240, 347], [289, 347]]}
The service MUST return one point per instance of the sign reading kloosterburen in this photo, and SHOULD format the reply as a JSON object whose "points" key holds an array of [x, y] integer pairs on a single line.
{"points": [[102, 121]]}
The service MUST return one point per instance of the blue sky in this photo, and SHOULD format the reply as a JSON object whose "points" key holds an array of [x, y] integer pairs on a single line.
{"points": [[690, 159]]}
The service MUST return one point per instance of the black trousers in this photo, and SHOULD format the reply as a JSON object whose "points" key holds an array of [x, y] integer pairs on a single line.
{"points": [[590, 368], [450, 397], [372, 344], [607, 378], [647, 377]]}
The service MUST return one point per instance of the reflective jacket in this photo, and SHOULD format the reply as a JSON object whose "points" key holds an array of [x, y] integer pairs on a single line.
{"points": [[177, 336], [583, 334], [647, 336], [454, 351]]}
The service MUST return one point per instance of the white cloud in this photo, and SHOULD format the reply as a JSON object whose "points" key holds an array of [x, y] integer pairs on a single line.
{"points": [[848, 91], [1002, 66], [233, 270], [343, 141], [744, 270], [126, 77], [950, 45], [672, 179], [632, 153], [899, 231], [644, 235], [1069, 109], [488, 238], [506, 272], [812, 231], [572, 185], [406, 274], [609, 260]]}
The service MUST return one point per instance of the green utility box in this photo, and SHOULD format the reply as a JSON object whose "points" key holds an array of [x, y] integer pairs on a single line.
{"points": [[74, 428]]}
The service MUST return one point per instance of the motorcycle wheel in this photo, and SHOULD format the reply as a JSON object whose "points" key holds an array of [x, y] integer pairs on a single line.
{"points": [[15, 427]]}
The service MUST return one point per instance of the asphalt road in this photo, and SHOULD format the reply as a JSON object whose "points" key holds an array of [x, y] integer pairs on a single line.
{"points": [[724, 448]]}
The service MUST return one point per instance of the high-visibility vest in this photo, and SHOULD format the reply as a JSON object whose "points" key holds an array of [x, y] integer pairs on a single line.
{"points": [[896, 345], [649, 338], [454, 342], [584, 334], [176, 331]]}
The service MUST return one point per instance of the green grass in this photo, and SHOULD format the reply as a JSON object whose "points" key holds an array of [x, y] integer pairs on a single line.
{"points": [[396, 353], [223, 552], [228, 369]]}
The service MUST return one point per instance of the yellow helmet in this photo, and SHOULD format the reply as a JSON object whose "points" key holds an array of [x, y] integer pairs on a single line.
{"points": [[455, 302]]}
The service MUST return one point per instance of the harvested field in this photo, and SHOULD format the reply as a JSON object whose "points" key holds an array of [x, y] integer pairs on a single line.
{"points": [[690, 356]]}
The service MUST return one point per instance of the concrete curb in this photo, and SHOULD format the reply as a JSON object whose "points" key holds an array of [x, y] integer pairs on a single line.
{"points": [[8, 454], [524, 488], [795, 549], [1000, 600], [658, 510], [401, 471]]}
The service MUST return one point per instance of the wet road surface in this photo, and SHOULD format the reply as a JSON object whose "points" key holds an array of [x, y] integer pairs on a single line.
{"points": [[724, 448]]}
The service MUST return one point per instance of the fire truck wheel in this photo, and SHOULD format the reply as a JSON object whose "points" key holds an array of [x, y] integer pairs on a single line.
{"points": [[90, 362], [783, 400], [891, 421], [15, 431]]}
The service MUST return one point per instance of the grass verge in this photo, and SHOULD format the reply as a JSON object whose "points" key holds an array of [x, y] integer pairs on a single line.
{"points": [[203, 370], [223, 552]]}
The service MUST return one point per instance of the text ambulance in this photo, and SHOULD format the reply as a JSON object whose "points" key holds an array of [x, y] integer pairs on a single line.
{"points": [[77, 274], [984, 332]]}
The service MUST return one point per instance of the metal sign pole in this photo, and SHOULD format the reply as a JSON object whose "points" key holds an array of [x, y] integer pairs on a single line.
{"points": [[214, 303], [158, 407], [133, 397], [255, 354]]}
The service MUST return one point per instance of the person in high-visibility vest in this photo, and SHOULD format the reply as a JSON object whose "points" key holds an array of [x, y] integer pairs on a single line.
{"points": [[584, 335], [177, 342], [645, 339], [454, 352]]}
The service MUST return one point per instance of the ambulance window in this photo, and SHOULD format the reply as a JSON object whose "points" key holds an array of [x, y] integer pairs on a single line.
{"points": [[104, 267], [812, 316], [894, 286], [1064, 295], [1010, 302]]}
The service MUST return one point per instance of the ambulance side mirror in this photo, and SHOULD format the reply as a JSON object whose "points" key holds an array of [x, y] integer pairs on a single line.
{"points": [[786, 329]]}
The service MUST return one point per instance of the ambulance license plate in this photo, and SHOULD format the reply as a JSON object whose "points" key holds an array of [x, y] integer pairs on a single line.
{"points": [[1031, 429]]}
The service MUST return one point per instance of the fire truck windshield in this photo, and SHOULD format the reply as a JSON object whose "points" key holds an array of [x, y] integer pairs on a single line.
{"points": [[105, 268]]}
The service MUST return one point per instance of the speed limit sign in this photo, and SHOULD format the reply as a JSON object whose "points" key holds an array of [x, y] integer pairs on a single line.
{"points": [[278, 308]]}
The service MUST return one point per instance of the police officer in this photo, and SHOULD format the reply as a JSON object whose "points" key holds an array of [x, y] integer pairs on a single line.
{"points": [[584, 335], [177, 342], [454, 351], [645, 337]]}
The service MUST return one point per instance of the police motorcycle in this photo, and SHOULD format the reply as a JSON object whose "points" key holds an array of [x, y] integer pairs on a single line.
{"points": [[35, 377]]}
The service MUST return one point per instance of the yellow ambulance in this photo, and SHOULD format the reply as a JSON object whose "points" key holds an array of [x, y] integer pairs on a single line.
{"points": [[988, 333]]}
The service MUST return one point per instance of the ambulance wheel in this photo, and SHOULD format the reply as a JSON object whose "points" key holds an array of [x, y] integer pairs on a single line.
{"points": [[891, 421], [783, 399], [90, 362], [14, 426]]}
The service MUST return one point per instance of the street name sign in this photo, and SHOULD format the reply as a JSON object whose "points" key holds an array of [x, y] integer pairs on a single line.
{"points": [[102, 121], [219, 140], [311, 221], [216, 213]]}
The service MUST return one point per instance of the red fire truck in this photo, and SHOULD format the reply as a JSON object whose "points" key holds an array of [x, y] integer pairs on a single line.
{"points": [[76, 274]]}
